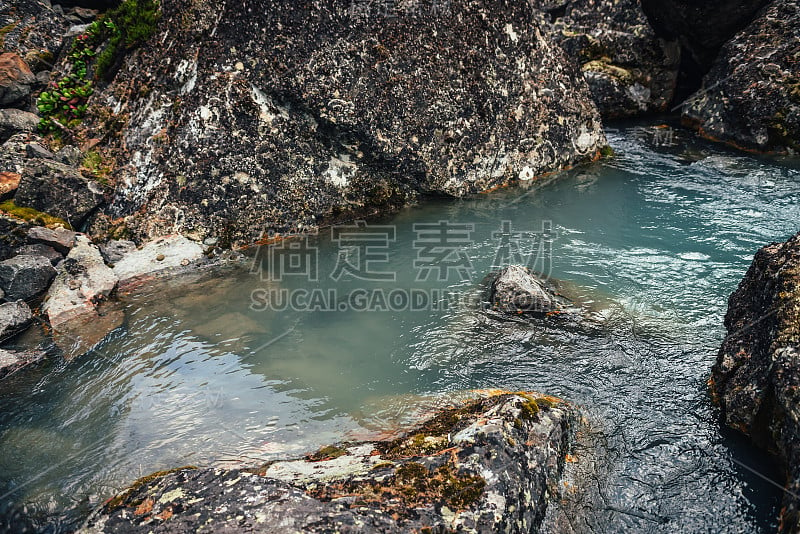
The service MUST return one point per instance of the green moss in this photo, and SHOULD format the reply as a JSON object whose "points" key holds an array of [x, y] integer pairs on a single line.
{"points": [[97, 166], [5, 30], [328, 452], [607, 152], [33, 216], [120, 499], [603, 65], [382, 465]]}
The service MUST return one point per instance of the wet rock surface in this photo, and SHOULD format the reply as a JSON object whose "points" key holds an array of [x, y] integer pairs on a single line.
{"points": [[169, 252], [13, 361], [518, 290], [293, 115], [489, 465], [630, 70], [751, 96], [756, 378]]}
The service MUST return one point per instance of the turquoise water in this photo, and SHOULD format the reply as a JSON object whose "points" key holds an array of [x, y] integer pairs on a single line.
{"points": [[650, 243]]}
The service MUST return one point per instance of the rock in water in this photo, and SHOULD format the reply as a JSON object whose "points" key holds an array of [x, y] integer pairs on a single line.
{"points": [[490, 465], [751, 96], [517, 289], [756, 378], [295, 114], [13, 361], [24, 277]]}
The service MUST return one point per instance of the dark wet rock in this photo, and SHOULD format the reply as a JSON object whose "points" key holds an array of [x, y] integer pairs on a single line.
{"points": [[16, 80], [490, 465], [60, 239], [751, 96], [25, 277], [701, 27], [114, 250], [15, 317], [517, 289], [756, 378], [83, 281], [13, 361], [51, 254], [297, 114], [629, 69], [58, 190], [13, 121]]}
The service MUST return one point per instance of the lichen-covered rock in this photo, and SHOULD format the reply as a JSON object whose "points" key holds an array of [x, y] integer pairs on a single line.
{"points": [[60, 190], [491, 465], [33, 30], [756, 378], [274, 114], [751, 96], [25, 277], [14, 121], [14, 318], [629, 69], [517, 289]]}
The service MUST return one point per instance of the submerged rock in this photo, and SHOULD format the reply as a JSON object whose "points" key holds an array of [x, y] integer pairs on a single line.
{"points": [[13, 361], [297, 114], [517, 289], [490, 465], [756, 378], [751, 96]]}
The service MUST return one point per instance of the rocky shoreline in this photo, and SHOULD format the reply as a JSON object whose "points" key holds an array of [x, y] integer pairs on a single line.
{"points": [[147, 139]]}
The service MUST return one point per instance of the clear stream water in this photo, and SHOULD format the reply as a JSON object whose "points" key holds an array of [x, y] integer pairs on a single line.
{"points": [[653, 242]]}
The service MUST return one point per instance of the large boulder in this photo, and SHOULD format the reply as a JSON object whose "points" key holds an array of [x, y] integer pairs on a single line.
{"points": [[277, 114], [25, 277], [751, 96], [58, 190], [16, 80], [491, 465], [163, 254], [518, 290], [756, 378], [630, 70], [15, 317], [82, 282]]}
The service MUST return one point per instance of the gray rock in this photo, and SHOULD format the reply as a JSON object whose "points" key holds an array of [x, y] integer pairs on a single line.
{"points": [[37, 33], [756, 377], [351, 114], [751, 96], [13, 361], [43, 251], [491, 465], [70, 155], [114, 250], [164, 253], [35, 150], [15, 317], [83, 280], [15, 80], [59, 190], [60, 239], [25, 277], [13, 121], [517, 289]]}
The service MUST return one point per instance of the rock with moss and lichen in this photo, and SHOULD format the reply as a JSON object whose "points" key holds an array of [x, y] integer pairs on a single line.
{"points": [[300, 114], [630, 70], [490, 465], [756, 378], [751, 96], [519, 290]]}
